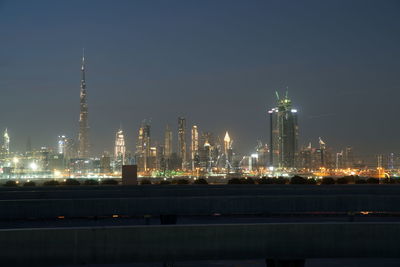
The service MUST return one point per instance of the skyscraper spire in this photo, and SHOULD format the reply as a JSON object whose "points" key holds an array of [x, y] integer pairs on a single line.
{"points": [[227, 139], [228, 151], [83, 68], [83, 138]]}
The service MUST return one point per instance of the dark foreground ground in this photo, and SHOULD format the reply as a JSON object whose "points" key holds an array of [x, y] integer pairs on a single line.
{"points": [[261, 263]]}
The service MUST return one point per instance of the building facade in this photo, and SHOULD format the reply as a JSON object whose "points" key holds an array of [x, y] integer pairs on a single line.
{"points": [[143, 147], [119, 148], [194, 147], [83, 136], [6, 142], [228, 151], [168, 159], [182, 142], [283, 134]]}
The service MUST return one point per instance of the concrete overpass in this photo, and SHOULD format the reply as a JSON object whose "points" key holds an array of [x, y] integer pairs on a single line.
{"points": [[22, 203], [110, 244], [41, 247]]}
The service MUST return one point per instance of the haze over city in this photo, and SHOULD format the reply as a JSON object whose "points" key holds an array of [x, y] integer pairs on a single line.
{"points": [[200, 133], [217, 63]]}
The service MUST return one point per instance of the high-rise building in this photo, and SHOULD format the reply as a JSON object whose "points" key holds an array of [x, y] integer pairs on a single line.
{"points": [[105, 163], [207, 158], [119, 149], [143, 147], [62, 144], [167, 159], [339, 160], [167, 142], [283, 134], [263, 155], [206, 148], [348, 157], [6, 142], [306, 156], [321, 152], [83, 137], [153, 162], [160, 159], [228, 151], [391, 159], [313, 158], [182, 141], [65, 151], [194, 147]]}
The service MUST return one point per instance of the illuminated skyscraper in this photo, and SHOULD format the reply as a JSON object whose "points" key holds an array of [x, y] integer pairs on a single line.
{"points": [[322, 153], [65, 147], [182, 141], [283, 134], [152, 159], [348, 157], [207, 156], [167, 142], [306, 156], [105, 163], [206, 147], [263, 154], [83, 137], [119, 149], [228, 150], [391, 161], [6, 142], [166, 161], [339, 160], [143, 146], [62, 144], [194, 147]]}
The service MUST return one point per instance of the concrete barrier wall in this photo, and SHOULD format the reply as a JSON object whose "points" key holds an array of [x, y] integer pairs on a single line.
{"points": [[51, 208], [78, 192], [29, 247]]}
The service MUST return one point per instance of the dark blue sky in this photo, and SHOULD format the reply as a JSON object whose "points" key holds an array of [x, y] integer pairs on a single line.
{"points": [[215, 62]]}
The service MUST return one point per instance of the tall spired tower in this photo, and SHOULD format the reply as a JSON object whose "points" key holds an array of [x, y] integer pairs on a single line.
{"points": [[83, 138], [228, 150]]}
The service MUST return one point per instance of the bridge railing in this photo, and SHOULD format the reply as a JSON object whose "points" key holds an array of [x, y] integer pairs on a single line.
{"points": [[227, 205]]}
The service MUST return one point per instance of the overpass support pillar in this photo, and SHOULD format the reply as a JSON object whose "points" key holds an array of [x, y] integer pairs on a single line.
{"points": [[285, 263]]}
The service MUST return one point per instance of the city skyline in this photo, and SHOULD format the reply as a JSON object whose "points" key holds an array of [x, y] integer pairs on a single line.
{"points": [[144, 144], [199, 133], [229, 87]]}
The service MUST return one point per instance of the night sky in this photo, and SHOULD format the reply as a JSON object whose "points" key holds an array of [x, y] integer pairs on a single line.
{"points": [[217, 63]]}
